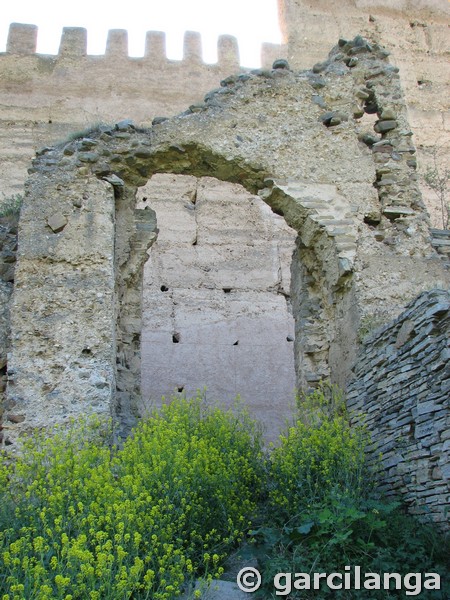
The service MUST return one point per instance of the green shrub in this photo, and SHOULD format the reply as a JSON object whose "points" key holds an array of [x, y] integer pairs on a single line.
{"points": [[323, 513], [319, 457], [80, 519], [11, 205], [137, 522]]}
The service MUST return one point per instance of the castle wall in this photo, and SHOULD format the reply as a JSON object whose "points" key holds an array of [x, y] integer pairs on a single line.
{"points": [[44, 99], [346, 184], [216, 309]]}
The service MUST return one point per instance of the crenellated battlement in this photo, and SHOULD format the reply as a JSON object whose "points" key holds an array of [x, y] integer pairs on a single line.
{"points": [[45, 97], [22, 40]]}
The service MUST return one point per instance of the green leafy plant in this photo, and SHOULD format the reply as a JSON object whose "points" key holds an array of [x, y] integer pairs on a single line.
{"points": [[82, 522], [323, 512], [81, 519], [11, 205], [318, 456]]}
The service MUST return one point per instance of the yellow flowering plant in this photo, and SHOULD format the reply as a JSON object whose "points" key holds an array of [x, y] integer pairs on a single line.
{"points": [[80, 519], [321, 454]]}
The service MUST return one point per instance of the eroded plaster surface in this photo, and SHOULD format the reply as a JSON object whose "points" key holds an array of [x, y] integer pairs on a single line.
{"points": [[347, 187], [216, 309]]}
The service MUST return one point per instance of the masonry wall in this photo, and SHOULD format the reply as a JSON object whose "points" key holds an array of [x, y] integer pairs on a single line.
{"points": [[401, 390], [417, 34], [349, 190], [45, 98], [216, 311]]}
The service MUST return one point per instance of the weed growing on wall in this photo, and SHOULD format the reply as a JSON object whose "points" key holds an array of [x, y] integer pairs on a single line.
{"points": [[80, 522], [11, 205], [368, 325], [437, 178]]}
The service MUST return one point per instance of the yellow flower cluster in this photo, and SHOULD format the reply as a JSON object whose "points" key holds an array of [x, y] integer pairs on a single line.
{"points": [[81, 520], [321, 455]]}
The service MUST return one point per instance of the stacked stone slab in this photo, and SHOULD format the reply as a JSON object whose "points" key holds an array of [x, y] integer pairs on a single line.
{"points": [[401, 390], [440, 239]]}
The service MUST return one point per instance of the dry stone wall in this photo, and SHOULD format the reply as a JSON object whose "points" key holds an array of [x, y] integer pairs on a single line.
{"points": [[401, 390]]}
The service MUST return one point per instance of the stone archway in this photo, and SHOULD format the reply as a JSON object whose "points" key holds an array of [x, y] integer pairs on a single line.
{"points": [[79, 285], [82, 244]]}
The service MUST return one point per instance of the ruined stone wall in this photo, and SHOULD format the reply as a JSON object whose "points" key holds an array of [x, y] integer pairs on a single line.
{"points": [[44, 98], [401, 390], [416, 32], [8, 251], [348, 189], [345, 182]]}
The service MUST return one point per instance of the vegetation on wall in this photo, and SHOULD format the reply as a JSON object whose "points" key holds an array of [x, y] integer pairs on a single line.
{"points": [[368, 324], [80, 519], [11, 205], [437, 178]]}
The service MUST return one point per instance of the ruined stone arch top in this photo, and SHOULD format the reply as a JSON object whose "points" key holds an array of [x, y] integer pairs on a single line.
{"points": [[301, 140]]}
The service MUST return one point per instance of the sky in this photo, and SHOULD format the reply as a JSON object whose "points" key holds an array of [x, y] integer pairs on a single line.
{"points": [[251, 21]]}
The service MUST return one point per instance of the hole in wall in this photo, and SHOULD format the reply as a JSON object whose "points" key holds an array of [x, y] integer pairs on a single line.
{"points": [[372, 219], [370, 105], [176, 338], [86, 351], [180, 388], [278, 212], [164, 288]]}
